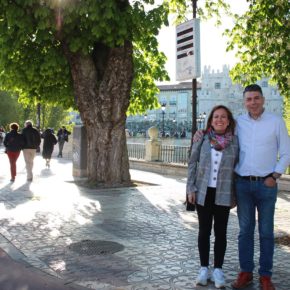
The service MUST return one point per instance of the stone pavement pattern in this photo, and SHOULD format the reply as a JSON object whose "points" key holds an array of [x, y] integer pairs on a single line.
{"points": [[45, 218], [18, 275]]}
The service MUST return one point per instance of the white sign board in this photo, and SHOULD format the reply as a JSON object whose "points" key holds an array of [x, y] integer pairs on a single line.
{"points": [[188, 50]]}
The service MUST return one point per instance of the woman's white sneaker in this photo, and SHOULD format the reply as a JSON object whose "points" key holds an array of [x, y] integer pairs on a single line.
{"points": [[203, 276], [218, 278]]}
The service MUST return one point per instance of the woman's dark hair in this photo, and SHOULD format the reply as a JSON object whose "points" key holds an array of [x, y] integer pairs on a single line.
{"points": [[14, 126], [232, 122]]}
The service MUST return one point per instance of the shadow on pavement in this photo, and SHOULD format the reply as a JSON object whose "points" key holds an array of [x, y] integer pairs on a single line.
{"points": [[19, 276]]}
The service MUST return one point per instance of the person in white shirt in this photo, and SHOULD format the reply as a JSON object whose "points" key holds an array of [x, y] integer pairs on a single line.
{"points": [[264, 156]]}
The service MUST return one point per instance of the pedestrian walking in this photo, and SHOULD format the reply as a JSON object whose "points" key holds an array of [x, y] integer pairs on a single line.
{"points": [[31, 143], [13, 143], [210, 186], [49, 140], [264, 156], [62, 137]]}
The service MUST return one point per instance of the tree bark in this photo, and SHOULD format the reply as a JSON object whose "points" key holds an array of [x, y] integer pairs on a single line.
{"points": [[102, 85]]}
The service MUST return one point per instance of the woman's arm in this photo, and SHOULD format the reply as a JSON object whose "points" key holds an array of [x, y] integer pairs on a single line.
{"points": [[192, 168]]}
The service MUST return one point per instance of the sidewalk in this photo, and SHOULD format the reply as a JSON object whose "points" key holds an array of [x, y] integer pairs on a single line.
{"points": [[17, 275], [116, 239]]}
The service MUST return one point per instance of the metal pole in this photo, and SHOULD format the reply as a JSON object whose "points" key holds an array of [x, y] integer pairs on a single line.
{"points": [[194, 86], [163, 123]]}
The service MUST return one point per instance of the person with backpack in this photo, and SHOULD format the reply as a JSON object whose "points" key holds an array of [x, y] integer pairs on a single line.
{"points": [[62, 137]]}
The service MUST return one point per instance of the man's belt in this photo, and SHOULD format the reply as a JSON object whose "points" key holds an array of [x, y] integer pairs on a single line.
{"points": [[254, 178]]}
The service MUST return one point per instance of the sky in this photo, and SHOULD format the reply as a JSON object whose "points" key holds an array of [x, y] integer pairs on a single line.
{"points": [[212, 43]]}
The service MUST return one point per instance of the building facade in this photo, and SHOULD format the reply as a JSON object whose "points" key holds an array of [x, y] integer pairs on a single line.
{"points": [[215, 88]]}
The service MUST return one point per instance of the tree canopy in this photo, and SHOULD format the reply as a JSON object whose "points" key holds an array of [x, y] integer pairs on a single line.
{"points": [[32, 62], [261, 38]]}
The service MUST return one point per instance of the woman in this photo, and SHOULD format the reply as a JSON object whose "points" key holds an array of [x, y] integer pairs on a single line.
{"points": [[210, 187], [48, 145], [13, 142]]}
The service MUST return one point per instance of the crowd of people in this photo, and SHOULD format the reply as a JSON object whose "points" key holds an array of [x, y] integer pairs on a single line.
{"points": [[28, 141]]}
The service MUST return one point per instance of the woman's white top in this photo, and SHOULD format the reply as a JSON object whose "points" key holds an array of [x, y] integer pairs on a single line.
{"points": [[216, 157]]}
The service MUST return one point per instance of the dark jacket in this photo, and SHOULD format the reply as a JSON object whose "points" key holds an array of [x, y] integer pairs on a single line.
{"points": [[31, 138], [13, 141], [48, 144], [62, 135]]}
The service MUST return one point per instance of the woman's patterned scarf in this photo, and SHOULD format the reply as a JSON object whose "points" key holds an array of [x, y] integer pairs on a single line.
{"points": [[219, 142]]}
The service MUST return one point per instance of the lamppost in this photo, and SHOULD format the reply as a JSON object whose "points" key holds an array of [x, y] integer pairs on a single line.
{"points": [[163, 106], [201, 120], [145, 124], [174, 125], [198, 121], [194, 84]]}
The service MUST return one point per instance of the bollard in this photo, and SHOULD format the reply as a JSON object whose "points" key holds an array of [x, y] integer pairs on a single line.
{"points": [[79, 154]]}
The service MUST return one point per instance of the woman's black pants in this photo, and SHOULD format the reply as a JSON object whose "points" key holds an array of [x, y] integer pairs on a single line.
{"points": [[206, 215]]}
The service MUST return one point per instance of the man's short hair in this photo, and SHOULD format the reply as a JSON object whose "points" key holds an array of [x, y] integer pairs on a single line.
{"points": [[253, 88]]}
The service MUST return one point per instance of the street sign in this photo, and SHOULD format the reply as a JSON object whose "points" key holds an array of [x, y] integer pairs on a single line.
{"points": [[188, 50]]}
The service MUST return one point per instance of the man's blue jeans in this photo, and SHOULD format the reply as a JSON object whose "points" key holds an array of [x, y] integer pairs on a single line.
{"points": [[252, 195]]}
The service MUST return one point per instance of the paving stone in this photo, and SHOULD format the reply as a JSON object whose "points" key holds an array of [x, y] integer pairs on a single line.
{"points": [[43, 218]]}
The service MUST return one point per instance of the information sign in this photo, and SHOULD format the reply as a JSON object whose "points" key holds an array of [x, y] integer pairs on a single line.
{"points": [[188, 50]]}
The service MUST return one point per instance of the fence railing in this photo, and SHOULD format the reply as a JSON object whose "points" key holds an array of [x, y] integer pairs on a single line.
{"points": [[136, 150], [173, 154], [167, 153]]}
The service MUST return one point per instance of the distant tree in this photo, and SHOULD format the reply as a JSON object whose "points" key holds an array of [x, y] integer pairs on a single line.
{"points": [[13, 111], [10, 110], [53, 116], [287, 114], [261, 38]]}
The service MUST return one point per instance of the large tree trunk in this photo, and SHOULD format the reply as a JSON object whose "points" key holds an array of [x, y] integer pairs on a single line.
{"points": [[102, 84]]}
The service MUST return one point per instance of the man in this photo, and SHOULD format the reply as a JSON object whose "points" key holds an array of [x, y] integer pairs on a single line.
{"points": [[263, 138], [31, 143], [62, 136]]}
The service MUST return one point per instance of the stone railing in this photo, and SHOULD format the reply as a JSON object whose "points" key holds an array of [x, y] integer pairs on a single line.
{"points": [[165, 153], [151, 156], [154, 150]]}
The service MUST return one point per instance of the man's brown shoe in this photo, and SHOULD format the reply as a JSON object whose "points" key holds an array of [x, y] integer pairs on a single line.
{"points": [[266, 283], [244, 279]]}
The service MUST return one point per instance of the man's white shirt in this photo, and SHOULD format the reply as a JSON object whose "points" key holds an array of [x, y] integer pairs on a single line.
{"points": [[262, 142]]}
